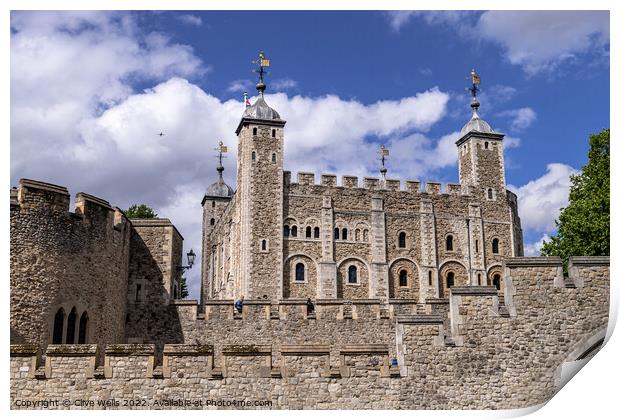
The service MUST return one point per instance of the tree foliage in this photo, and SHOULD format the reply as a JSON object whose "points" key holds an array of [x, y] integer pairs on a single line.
{"points": [[583, 226], [183, 292], [140, 211]]}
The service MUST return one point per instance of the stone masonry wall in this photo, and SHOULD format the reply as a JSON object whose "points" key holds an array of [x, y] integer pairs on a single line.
{"points": [[490, 356]]}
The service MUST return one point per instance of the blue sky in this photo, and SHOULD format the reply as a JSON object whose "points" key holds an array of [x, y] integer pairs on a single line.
{"points": [[89, 90]]}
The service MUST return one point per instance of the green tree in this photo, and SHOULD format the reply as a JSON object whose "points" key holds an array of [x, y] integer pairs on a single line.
{"points": [[583, 226], [140, 211], [183, 292]]}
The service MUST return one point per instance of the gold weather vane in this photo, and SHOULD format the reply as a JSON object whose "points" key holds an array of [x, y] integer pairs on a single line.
{"points": [[221, 148], [262, 63], [475, 81], [382, 154]]}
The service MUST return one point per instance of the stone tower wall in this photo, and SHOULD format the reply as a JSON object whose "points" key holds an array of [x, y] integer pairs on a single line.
{"points": [[487, 356]]}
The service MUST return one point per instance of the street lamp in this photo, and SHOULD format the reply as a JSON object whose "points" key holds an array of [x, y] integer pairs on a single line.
{"points": [[191, 257]]}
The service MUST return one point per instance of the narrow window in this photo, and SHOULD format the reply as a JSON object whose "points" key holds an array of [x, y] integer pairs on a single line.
{"points": [[490, 193], [273, 158], [316, 232], [486, 144], [294, 231], [495, 246], [273, 133], [287, 231], [138, 292], [300, 272], [402, 278], [352, 274], [449, 243], [402, 240], [253, 156], [71, 320], [308, 232], [357, 235], [83, 330], [365, 235], [477, 245], [344, 234], [212, 203], [254, 131], [175, 293], [263, 245], [430, 278], [336, 233], [496, 281], [450, 279], [212, 222], [479, 278], [59, 324]]}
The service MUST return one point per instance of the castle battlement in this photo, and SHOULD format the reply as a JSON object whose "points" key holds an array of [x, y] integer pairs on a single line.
{"points": [[374, 184]]}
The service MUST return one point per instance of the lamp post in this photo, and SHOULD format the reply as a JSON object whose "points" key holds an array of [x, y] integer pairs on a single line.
{"points": [[191, 257]]}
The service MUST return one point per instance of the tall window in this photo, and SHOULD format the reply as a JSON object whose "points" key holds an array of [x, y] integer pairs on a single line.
{"points": [[496, 280], [308, 232], [253, 156], [263, 245], [450, 279], [59, 324], [479, 278], [254, 131], [357, 235], [430, 278], [352, 274], [344, 234], [490, 193], [477, 246], [449, 243], [365, 235], [402, 278], [273, 158], [83, 331], [486, 144], [287, 231], [138, 292], [495, 246], [71, 319], [212, 203], [300, 272], [273, 132], [336, 233], [212, 222], [402, 240], [294, 231], [316, 232]]}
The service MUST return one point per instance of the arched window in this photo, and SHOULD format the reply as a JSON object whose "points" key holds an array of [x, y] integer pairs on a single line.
{"points": [[495, 246], [490, 193], [365, 235], [402, 278], [287, 231], [263, 245], [253, 156], [254, 131], [449, 243], [59, 324], [273, 132], [336, 233], [83, 330], [357, 235], [273, 158], [430, 278], [212, 221], [71, 320], [316, 232], [352, 274], [294, 231], [496, 280], [308, 232], [402, 240], [344, 234], [450, 279], [300, 272]]}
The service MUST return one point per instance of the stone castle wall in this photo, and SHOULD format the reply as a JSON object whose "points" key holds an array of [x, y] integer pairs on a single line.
{"points": [[469, 352]]}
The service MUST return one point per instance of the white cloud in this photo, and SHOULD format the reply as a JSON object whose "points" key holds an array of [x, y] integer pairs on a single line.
{"points": [[522, 118], [533, 249], [538, 41], [426, 72], [540, 200], [240, 85], [283, 84], [190, 19]]}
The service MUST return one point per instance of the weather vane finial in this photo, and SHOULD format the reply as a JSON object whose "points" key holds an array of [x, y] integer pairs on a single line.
{"points": [[221, 148], [382, 154], [262, 63], [475, 81]]}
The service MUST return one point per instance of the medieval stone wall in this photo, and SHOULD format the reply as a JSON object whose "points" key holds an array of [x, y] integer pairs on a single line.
{"points": [[489, 355]]}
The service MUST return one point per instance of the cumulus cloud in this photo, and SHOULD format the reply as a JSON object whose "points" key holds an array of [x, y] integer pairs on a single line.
{"points": [[541, 199], [538, 41], [283, 84], [533, 249], [189, 19], [240, 85], [521, 118]]}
